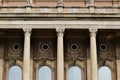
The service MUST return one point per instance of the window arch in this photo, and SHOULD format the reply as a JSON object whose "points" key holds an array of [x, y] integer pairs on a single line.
{"points": [[15, 73], [45, 73], [75, 73], [105, 73]]}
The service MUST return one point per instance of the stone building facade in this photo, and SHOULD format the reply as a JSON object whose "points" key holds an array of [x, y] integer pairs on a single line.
{"points": [[60, 34]]}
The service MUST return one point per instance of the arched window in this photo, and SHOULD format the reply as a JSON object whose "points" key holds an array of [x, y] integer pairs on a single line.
{"points": [[105, 73], [45, 73], [15, 73], [75, 73]]}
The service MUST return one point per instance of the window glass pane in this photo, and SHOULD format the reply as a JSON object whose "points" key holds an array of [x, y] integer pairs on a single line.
{"points": [[105, 73], [74, 73], [45, 73], [15, 73]]}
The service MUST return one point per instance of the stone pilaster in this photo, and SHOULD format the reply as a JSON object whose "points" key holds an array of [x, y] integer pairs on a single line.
{"points": [[93, 54], [88, 64], [118, 57], [60, 54], [26, 61], [1, 60], [1, 68]]}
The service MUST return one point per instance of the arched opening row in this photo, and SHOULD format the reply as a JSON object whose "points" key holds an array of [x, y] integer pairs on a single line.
{"points": [[45, 73]]}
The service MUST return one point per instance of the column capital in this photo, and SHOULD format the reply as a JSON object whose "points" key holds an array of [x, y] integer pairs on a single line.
{"points": [[60, 31], [27, 31], [93, 31]]}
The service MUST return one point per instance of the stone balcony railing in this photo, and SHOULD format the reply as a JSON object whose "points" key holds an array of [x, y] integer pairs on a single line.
{"points": [[59, 10]]}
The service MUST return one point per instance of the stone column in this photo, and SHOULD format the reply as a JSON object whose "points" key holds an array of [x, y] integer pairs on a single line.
{"points": [[60, 54], [93, 54], [26, 61]]}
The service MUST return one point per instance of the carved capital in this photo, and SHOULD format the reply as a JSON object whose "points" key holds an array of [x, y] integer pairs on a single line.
{"points": [[93, 31], [60, 31], [27, 31]]}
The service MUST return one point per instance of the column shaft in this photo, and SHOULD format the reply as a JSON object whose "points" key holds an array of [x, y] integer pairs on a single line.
{"points": [[26, 62], [60, 55], [93, 54]]}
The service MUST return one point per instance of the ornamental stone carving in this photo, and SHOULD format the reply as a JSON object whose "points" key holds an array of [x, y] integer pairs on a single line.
{"points": [[27, 31], [93, 31], [60, 32]]}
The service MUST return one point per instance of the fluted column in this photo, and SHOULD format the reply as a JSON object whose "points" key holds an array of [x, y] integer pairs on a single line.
{"points": [[26, 62], [93, 54], [60, 54]]}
